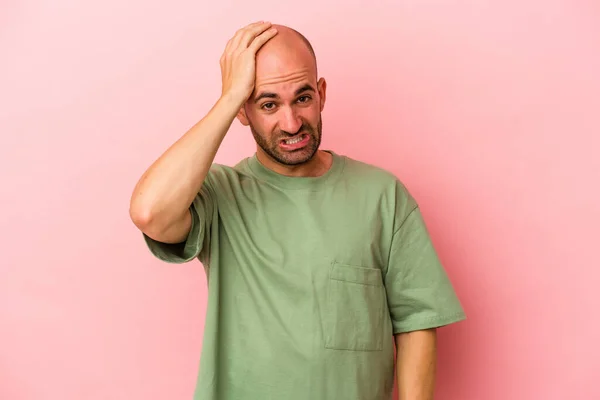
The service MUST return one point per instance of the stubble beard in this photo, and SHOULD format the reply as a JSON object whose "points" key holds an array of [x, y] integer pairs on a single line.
{"points": [[296, 157]]}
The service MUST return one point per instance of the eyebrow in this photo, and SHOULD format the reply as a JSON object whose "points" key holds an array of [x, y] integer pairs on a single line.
{"points": [[270, 95]]}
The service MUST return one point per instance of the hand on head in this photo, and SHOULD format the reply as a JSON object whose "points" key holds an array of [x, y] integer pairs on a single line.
{"points": [[238, 62]]}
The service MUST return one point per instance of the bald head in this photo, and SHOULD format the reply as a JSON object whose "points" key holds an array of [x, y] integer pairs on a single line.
{"points": [[287, 51], [289, 31], [287, 100]]}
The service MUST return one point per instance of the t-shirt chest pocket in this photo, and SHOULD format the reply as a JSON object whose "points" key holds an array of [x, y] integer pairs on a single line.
{"points": [[355, 306]]}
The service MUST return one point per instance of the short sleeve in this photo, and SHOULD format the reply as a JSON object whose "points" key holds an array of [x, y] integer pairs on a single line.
{"points": [[197, 243], [419, 292]]}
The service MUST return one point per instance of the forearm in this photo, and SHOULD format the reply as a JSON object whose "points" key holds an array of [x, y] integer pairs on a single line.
{"points": [[167, 188], [416, 364]]}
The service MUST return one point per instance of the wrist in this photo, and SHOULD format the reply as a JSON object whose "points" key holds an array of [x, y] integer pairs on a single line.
{"points": [[232, 99]]}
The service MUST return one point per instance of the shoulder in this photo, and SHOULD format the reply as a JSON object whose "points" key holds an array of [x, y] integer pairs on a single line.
{"points": [[221, 177], [362, 170], [222, 173], [391, 193], [374, 177]]}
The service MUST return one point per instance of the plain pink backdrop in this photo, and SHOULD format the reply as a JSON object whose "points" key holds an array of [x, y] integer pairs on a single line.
{"points": [[487, 110]]}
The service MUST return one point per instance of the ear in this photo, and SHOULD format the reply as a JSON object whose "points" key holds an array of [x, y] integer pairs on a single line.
{"points": [[242, 117], [322, 89]]}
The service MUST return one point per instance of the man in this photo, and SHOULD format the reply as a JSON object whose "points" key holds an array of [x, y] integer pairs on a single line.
{"points": [[314, 261]]}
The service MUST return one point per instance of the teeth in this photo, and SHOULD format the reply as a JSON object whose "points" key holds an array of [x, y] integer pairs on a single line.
{"points": [[293, 141]]}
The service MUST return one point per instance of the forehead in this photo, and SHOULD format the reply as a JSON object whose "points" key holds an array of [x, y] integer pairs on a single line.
{"points": [[285, 83], [284, 66]]}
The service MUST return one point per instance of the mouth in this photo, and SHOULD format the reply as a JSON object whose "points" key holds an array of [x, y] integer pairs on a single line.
{"points": [[295, 143], [294, 140]]}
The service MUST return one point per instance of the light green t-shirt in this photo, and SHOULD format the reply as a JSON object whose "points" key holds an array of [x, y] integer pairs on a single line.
{"points": [[308, 280]]}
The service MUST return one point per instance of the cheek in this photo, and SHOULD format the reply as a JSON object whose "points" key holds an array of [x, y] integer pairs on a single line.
{"points": [[265, 124], [258, 121], [312, 115]]}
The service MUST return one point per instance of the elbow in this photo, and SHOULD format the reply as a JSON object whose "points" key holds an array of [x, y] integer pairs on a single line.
{"points": [[148, 221], [141, 217], [142, 214]]}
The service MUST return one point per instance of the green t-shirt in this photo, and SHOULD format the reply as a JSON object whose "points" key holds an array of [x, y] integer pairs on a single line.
{"points": [[308, 280]]}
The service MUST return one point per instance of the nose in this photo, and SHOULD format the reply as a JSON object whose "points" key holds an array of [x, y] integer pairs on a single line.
{"points": [[290, 121]]}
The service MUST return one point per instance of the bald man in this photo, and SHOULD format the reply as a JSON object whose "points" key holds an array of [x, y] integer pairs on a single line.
{"points": [[318, 265]]}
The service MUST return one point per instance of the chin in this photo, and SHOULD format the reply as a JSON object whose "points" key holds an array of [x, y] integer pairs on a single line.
{"points": [[301, 157]]}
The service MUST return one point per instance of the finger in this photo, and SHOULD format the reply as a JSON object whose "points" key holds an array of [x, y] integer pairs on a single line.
{"points": [[245, 36], [251, 34], [261, 39], [239, 32]]}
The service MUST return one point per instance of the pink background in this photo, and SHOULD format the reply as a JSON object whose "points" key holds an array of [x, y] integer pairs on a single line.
{"points": [[487, 110]]}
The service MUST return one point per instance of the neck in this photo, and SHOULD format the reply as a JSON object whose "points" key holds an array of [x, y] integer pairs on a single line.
{"points": [[316, 166]]}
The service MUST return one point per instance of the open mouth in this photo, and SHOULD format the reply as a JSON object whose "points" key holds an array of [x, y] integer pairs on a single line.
{"points": [[296, 143], [295, 140]]}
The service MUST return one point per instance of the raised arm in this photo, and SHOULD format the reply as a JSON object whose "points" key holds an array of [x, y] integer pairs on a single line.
{"points": [[161, 199]]}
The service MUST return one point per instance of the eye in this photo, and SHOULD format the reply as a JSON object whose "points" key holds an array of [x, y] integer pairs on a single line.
{"points": [[303, 99], [268, 106]]}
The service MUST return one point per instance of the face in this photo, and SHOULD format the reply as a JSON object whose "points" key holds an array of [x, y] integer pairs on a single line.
{"points": [[284, 111], [285, 120]]}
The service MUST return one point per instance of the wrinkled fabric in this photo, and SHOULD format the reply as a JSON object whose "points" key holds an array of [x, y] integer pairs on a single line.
{"points": [[308, 280]]}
